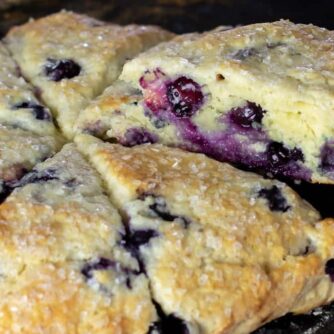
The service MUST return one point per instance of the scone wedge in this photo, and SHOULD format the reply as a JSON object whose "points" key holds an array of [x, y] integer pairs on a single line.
{"points": [[71, 58], [225, 251], [62, 266], [260, 96]]}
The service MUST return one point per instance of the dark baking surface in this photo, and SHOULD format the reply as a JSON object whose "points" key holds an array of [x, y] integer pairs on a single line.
{"points": [[189, 15]]}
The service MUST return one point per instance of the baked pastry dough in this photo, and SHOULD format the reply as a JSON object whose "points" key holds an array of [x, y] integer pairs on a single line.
{"points": [[18, 105], [62, 269], [258, 95], [71, 58], [225, 250], [20, 151]]}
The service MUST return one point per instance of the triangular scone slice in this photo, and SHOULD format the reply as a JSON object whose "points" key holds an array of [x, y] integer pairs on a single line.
{"points": [[20, 151], [19, 106], [259, 95], [99, 296], [225, 250], [72, 57], [58, 211]]}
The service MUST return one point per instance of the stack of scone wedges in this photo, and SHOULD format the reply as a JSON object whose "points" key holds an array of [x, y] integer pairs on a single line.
{"points": [[140, 225]]}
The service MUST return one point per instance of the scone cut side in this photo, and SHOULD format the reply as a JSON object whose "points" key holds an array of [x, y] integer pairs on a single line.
{"points": [[258, 95], [63, 268], [225, 251], [72, 68]]}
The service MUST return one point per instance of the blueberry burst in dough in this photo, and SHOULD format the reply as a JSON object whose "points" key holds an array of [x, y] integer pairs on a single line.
{"points": [[225, 251], [260, 96]]}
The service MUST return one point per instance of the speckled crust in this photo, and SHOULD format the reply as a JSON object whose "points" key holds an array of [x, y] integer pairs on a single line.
{"points": [[62, 270], [15, 98], [20, 151], [286, 69], [99, 49], [220, 256]]}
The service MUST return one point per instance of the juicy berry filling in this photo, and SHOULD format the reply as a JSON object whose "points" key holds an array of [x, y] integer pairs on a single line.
{"points": [[137, 136], [278, 155], [39, 111], [247, 116], [329, 269], [185, 96], [327, 158], [275, 198], [241, 140], [59, 69]]}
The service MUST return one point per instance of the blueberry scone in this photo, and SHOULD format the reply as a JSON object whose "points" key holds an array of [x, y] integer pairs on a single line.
{"points": [[20, 151], [62, 267], [19, 106], [71, 58], [224, 250], [260, 96]]}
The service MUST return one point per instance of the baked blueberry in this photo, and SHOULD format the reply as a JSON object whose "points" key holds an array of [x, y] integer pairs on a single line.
{"points": [[134, 239], [275, 198], [327, 157], [185, 96], [59, 69], [247, 116], [38, 110], [279, 155], [137, 136]]}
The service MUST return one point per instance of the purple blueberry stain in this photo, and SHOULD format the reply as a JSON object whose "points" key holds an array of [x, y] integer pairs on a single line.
{"points": [[137, 136], [329, 269], [59, 69], [241, 139], [276, 200], [39, 112], [327, 158]]}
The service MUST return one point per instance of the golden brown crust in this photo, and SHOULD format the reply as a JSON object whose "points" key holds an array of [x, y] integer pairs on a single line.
{"points": [[222, 259], [100, 50]]}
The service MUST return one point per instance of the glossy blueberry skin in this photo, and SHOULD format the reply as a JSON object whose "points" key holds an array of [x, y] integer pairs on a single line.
{"points": [[184, 96], [247, 116], [59, 69], [39, 111], [275, 199]]}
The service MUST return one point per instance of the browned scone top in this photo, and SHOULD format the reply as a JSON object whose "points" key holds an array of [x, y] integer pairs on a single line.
{"points": [[73, 57], [225, 250]]}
